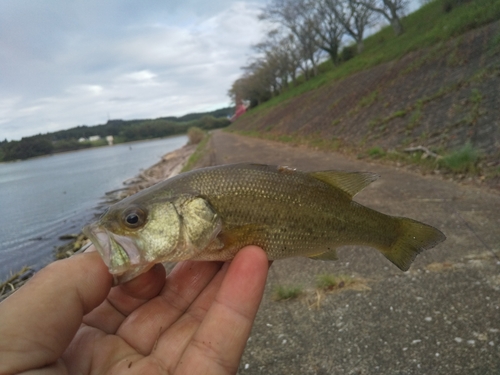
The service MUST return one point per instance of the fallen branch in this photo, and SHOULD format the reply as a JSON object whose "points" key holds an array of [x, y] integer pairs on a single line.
{"points": [[425, 150]]}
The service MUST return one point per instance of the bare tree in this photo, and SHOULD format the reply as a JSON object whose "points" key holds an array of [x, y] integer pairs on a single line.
{"points": [[267, 74], [291, 47], [281, 54], [296, 18], [328, 28], [392, 10], [354, 17]]}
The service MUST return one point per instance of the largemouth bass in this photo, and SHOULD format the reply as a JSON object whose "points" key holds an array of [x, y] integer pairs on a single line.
{"points": [[211, 213]]}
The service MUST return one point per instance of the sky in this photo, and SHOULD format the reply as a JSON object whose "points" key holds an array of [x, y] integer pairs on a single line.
{"points": [[65, 63]]}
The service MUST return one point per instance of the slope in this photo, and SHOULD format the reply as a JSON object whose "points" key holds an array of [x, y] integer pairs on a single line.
{"points": [[444, 97]]}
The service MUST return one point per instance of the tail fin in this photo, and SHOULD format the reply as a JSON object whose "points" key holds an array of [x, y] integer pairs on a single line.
{"points": [[414, 237]]}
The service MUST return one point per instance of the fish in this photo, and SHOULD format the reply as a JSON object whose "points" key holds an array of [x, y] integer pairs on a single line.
{"points": [[209, 214]]}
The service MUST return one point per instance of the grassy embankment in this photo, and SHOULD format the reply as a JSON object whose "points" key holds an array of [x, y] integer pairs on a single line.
{"points": [[431, 28]]}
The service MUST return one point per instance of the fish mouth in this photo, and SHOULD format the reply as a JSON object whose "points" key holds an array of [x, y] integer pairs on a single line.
{"points": [[121, 254]]}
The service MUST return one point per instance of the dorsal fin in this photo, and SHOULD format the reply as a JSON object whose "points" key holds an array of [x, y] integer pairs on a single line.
{"points": [[349, 182]]}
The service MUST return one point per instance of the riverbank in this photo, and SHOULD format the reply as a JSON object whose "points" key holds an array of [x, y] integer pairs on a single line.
{"points": [[170, 165]]}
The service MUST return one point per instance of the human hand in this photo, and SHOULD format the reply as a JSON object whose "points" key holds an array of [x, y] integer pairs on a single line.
{"points": [[69, 319]]}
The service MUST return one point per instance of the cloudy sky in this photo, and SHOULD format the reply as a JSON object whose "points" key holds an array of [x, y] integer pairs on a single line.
{"points": [[65, 63]]}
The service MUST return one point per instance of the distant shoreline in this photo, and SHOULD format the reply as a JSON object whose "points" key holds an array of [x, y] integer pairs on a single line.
{"points": [[90, 148]]}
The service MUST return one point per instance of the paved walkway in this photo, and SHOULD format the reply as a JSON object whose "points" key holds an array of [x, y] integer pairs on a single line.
{"points": [[441, 317]]}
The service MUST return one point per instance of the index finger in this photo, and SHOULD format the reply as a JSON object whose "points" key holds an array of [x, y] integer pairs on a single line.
{"points": [[217, 346]]}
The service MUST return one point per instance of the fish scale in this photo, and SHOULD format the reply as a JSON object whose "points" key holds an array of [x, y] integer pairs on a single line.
{"points": [[211, 213]]}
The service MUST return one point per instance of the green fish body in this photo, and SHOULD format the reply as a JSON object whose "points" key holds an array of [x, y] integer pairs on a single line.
{"points": [[211, 213]]}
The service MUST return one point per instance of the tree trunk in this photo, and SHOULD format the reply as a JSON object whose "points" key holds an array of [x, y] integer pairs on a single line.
{"points": [[397, 26], [334, 54], [360, 46]]}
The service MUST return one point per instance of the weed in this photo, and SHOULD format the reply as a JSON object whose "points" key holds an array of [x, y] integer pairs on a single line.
{"points": [[335, 144], [461, 161], [423, 136], [330, 282], [376, 152], [285, 138], [414, 118], [401, 113], [369, 99], [336, 122], [283, 293], [454, 59], [494, 45], [482, 75], [374, 122], [475, 98]]}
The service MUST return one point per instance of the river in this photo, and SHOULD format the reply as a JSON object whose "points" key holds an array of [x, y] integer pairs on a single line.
{"points": [[43, 198]]}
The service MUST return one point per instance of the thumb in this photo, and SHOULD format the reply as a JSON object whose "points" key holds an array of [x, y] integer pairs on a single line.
{"points": [[38, 322]]}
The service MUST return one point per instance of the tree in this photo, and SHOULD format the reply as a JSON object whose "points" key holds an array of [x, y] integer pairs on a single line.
{"points": [[353, 16], [297, 19], [328, 28], [281, 56], [392, 10]]}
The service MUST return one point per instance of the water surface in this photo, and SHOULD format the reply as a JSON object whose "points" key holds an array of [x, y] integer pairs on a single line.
{"points": [[42, 198]]}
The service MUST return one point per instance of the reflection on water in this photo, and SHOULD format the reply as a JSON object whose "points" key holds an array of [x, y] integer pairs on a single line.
{"points": [[43, 198]]}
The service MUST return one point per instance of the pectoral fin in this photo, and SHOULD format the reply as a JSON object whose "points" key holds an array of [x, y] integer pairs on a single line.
{"points": [[328, 255]]}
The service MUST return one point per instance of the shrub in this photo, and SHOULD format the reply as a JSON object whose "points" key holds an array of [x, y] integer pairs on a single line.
{"points": [[461, 161], [195, 135], [348, 53], [282, 293]]}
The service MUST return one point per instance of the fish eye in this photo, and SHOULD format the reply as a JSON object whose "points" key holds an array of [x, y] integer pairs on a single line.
{"points": [[134, 217]]}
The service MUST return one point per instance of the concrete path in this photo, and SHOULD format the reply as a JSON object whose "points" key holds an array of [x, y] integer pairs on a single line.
{"points": [[441, 317]]}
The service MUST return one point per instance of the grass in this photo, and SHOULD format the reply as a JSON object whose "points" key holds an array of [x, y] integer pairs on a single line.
{"points": [[475, 99], [381, 123], [376, 152], [464, 160], [369, 99], [197, 154], [494, 45], [414, 119], [365, 101], [284, 293], [330, 282]]}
